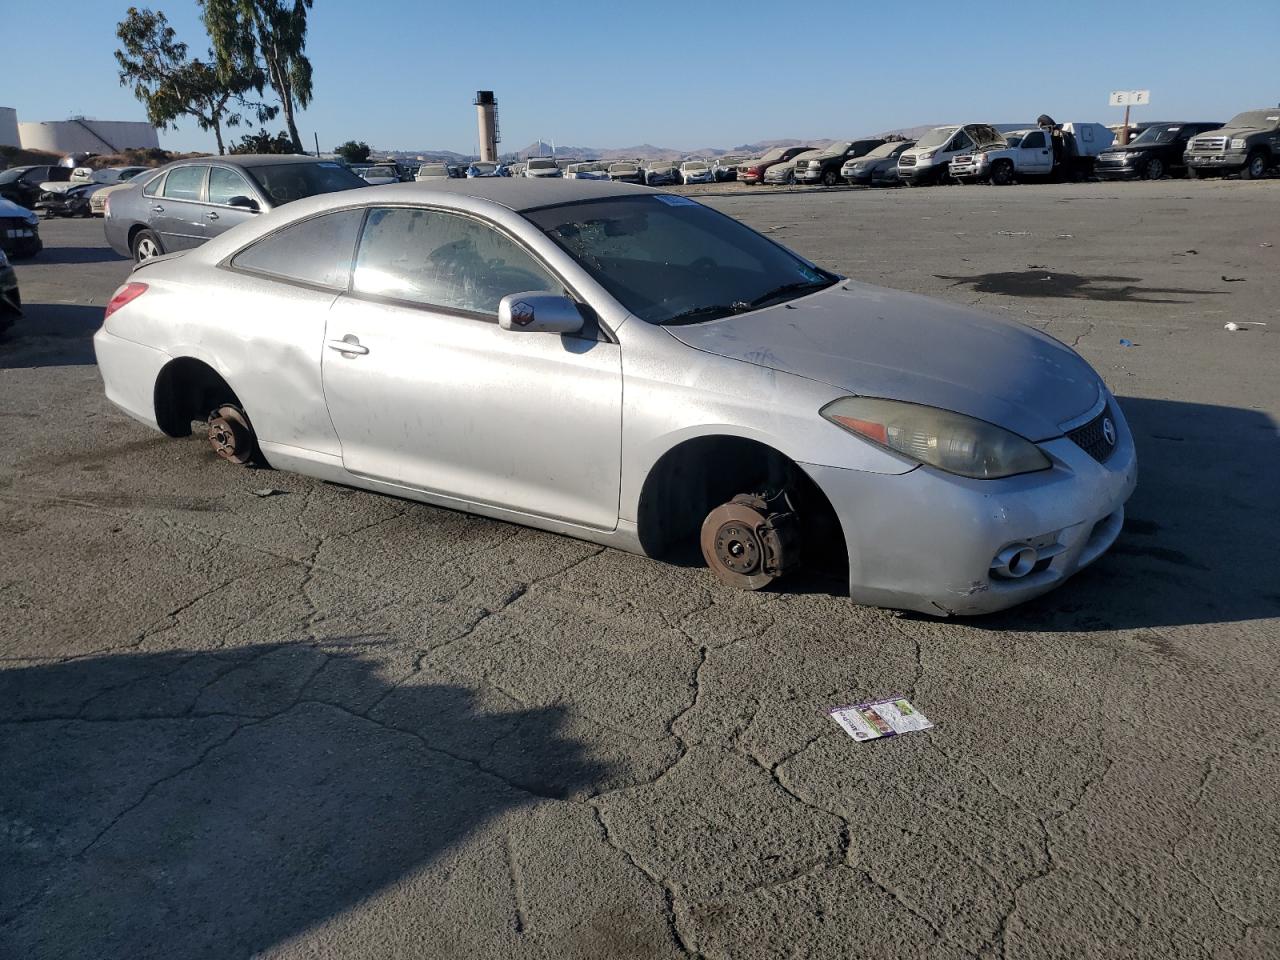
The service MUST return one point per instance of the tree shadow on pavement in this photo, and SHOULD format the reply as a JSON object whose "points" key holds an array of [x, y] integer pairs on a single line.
{"points": [[51, 335], [1071, 286], [1199, 543], [213, 804]]}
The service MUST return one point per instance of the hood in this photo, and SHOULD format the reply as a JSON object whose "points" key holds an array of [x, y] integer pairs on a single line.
{"points": [[10, 209], [899, 346]]}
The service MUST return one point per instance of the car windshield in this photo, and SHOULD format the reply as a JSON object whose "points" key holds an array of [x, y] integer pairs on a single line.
{"points": [[433, 170], [884, 150], [1013, 139], [936, 137], [1258, 119], [286, 182], [1157, 134], [541, 164], [693, 165], [484, 167], [670, 260], [11, 176], [381, 172]]}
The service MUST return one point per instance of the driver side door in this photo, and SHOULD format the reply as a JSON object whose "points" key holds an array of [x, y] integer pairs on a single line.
{"points": [[426, 391]]}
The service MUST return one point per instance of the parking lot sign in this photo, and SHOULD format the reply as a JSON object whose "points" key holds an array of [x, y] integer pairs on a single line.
{"points": [[1130, 98]]}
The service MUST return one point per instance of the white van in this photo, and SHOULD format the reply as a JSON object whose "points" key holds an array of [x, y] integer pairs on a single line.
{"points": [[927, 161]]}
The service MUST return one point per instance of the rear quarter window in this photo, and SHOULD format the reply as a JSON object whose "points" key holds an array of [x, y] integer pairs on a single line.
{"points": [[317, 251]]}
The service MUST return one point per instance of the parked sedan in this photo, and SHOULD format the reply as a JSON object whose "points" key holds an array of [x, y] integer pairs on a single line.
{"points": [[380, 174], [98, 198], [433, 171], [486, 168], [879, 167], [588, 170], [19, 230], [726, 168], [537, 168], [661, 173], [191, 201], [753, 171], [626, 171], [638, 370], [696, 171], [10, 300], [785, 171], [1155, 152], [23, 185]]}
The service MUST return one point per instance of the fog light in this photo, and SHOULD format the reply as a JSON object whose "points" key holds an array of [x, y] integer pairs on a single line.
{"points": [[1015, 561]]}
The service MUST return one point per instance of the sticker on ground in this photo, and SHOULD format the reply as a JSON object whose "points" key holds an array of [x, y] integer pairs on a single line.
{"points": [[881, 718]]}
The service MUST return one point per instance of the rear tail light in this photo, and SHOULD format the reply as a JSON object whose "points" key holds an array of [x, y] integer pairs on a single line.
{"points": [[126, 294]]}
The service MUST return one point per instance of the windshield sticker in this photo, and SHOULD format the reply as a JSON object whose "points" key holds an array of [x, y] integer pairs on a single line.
{"points": [[671, 200]]}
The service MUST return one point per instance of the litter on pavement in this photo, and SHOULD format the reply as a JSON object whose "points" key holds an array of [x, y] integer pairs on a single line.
{"points": [[881, 718]]}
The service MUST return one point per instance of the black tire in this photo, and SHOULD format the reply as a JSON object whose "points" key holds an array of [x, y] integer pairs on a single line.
{"points": [[1002, 173], [146, 244], [1193, 173], [1153, 169], [831, 178], [1255, 167]]}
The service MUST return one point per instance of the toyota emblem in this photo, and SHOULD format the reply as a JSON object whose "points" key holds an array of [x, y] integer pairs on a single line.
{"points": [[1109, 431]]}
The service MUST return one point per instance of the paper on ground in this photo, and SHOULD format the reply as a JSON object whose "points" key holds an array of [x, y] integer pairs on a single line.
{"points": [[881, 718]]}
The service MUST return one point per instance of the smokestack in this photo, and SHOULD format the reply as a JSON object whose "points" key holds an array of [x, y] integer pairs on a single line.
{"points": [[487, 119]]}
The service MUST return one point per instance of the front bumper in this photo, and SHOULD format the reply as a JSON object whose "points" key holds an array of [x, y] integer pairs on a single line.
{"points": [[20, 239], [925, 540], [970, 168], [1215, 161], [917, 174]]}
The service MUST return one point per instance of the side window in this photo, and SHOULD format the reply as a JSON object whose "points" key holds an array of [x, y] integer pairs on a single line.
{"points": [[1034, 139], [184, 183], [317, 250], [225, 184], [153, 186], [443, 260], [961, 141]]}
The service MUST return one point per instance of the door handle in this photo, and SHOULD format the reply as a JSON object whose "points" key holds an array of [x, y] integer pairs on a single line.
{"points": [[212, 214], [348, 345], [157, 209]]}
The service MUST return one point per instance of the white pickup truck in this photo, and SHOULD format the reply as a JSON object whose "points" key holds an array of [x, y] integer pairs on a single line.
{"points": [[1065, 151]]}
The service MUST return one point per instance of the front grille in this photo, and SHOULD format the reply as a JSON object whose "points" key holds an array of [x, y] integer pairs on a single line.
{"points": [[1209, 144], [906, 161], [1092, 437]]}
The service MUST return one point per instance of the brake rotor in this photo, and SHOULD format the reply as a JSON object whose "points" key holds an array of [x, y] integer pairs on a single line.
{"points": [[230, 434], [747, 546]]}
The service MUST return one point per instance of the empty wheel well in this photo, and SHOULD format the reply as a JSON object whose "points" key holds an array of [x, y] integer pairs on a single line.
{"points": [[692, 478], [187, 390]]}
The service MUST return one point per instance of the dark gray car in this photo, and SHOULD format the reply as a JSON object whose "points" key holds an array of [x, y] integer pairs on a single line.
{"points": [[191, 201]]}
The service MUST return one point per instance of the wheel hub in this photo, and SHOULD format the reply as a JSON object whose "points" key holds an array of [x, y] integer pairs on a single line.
{"points": [[748, 545], [230, 435]]}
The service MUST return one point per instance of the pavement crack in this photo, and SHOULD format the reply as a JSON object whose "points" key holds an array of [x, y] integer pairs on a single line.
{"points": [[517, 886], [676, 913]]}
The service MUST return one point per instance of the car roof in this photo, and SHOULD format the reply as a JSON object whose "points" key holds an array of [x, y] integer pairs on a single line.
{"points": [[513, 193], [257, 159]]}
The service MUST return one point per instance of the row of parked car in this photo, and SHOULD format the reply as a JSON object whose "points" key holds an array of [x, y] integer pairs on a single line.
{"points": [[1248, 145]]}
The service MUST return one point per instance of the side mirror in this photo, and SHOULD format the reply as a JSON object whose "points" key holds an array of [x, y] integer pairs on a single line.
{"points": [[246, 203], [538, 312]]}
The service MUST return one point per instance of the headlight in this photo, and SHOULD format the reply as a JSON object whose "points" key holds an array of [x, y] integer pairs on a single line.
{"points": [[1237, 143], [927, 156], [980, 158], [949, 441]]}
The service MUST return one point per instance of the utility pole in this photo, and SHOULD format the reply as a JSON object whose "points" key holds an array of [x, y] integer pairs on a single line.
{"points": [[317, 136], [1124, 128]]}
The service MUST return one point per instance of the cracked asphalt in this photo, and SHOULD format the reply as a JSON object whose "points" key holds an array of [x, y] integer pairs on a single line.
{"points": [[326, 723]]}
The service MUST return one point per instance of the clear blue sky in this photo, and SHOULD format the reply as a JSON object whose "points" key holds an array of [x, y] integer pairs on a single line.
{"points": [[402, 73]]}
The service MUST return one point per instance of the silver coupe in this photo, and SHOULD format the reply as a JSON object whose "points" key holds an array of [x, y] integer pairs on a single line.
{"points": [[635, 369]]}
